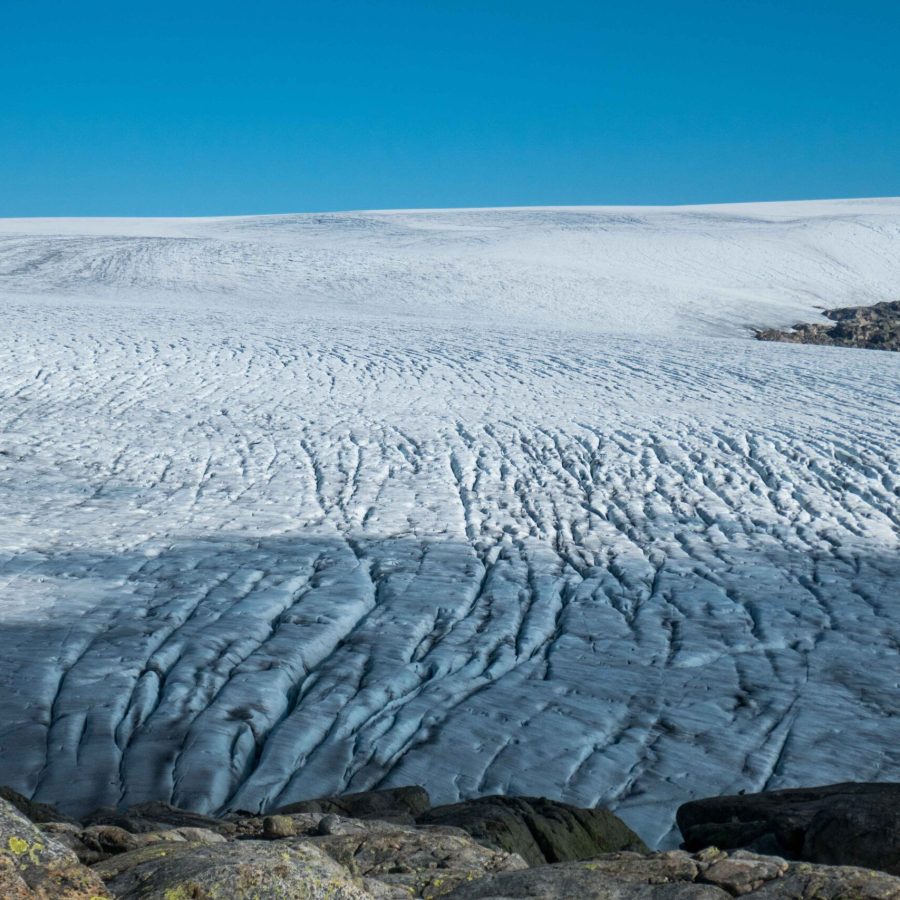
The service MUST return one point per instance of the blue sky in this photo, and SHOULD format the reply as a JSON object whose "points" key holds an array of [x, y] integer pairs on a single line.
{"points": [[225, 107]]}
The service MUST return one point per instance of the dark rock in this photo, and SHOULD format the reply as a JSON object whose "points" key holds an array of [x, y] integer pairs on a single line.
{"points": [[34, 865], [239, 870], [156, 817], [99, 842], [841, 824], [403, 803], [110, 838], [102, 841], [870, 327], [35, 812], [540, 830]]}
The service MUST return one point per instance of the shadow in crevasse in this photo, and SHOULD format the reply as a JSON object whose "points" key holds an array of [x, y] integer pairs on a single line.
{"points": [[242, 673]]}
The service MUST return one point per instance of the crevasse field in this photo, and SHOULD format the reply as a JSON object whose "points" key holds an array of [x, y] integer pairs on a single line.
{"points": [[488, 500]]}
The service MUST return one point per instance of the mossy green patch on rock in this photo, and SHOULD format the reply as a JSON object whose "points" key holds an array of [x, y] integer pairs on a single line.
{"points": [[17, 846], [34, 865]]}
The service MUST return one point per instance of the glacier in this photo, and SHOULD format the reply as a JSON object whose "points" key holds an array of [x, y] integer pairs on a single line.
{"points": [[492, 501]]}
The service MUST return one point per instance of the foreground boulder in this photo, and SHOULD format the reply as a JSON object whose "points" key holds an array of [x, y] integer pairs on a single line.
{"points": [[713, 875], [240, 870], [318, 855], [423, 862], [539, 830], [840, 824], [390, 803], [33, 865]]}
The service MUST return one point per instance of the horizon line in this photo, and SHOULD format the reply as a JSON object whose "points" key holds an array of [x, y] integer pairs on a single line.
{"points": [[438, 209]]}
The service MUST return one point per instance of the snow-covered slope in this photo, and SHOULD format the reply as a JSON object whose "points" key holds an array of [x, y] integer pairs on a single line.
{"points": [[487, 500]]}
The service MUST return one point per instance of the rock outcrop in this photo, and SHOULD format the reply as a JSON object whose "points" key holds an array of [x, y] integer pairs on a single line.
{"points": [[840, 824], [239, 870], [870, 327], [33, 811], [146, 817], [96, 843], [391, 803], [422, 862], [539, 830], [33, 865], [675, 875], [158, 852]]}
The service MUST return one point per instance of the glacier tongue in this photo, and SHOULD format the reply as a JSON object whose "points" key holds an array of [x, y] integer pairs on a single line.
{"points": [[489, 500]]}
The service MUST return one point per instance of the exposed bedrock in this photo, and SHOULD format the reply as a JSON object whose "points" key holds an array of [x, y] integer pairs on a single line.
{"points": [[34, 865], [874, 327], [841, 824], [314, 855], [712, 875], [400, 802], [539, 830]]}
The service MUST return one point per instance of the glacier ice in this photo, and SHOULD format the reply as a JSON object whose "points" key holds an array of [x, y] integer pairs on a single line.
{"points": [[486, 500]]}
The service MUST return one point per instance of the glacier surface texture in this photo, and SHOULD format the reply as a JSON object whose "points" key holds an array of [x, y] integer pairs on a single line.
{"points": [[485, 500]]}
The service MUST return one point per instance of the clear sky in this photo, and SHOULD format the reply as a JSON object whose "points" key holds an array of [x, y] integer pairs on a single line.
{"points": [[223, 107]]}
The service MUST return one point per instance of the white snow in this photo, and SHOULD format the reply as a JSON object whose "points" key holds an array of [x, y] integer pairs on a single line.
{"points": [[487, 500]]}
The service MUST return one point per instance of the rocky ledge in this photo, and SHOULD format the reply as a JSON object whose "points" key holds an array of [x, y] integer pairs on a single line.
{"points": [[840, 824], [392, 844], [871, 327]]}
